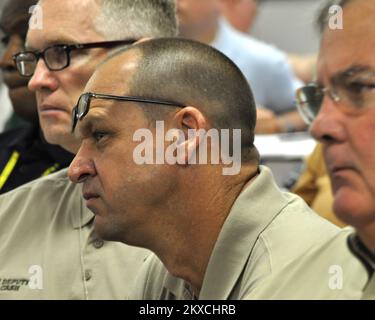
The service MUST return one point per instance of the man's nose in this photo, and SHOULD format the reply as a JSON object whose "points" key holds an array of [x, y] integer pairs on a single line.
{"points": [[328, 124], [81, 168], [43, 78]]}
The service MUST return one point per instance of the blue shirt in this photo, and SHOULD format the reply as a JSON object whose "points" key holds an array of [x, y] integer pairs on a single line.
{"points": [[266, 68]]}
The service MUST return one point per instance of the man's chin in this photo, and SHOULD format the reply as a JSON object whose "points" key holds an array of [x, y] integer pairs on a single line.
{"points": [[58, 134], [104, 230], [352, 207]]}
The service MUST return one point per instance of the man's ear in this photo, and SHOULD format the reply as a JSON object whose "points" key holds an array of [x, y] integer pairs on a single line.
{"points": [[192, 122]]}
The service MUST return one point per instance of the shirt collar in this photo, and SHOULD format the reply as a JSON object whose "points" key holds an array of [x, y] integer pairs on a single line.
{"points": [[248, 218], [358, 248]]}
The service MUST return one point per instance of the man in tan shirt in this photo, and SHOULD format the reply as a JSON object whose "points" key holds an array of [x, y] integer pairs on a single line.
{"points": [[341, 109], [48, 248], [219, 225]]}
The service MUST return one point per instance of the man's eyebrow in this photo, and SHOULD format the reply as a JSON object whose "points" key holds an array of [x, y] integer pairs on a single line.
{"points": [[49, 43], [88, 122], [354, 70], [29, 47]]}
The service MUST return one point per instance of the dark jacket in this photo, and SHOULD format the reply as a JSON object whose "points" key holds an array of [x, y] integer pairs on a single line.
{"points": [[25, 156]]}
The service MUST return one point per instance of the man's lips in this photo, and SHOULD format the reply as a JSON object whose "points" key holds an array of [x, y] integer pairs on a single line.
{"points": [[47, 107], [90, 201], [337, 162], [336, 169], [90, 195]]}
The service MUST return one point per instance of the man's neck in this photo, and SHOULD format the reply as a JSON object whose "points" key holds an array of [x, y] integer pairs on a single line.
{"points": [[204, 217], [188, 256]]}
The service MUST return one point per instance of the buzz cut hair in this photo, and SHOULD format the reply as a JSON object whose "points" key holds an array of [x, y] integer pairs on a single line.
{"points": [[194, 74]]}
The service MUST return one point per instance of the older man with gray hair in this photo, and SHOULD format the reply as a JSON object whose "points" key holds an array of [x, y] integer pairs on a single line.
{"points": [[48, 248], [340, 106]]}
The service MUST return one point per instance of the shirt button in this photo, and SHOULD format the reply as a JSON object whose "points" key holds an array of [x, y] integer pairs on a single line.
{"points": [[98, 243], [88, 275]]}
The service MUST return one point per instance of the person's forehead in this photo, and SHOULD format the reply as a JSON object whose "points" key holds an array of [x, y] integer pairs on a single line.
{"points": [[66, 22], [114, 75], [110, 78], [109, 113], [353, 45]]}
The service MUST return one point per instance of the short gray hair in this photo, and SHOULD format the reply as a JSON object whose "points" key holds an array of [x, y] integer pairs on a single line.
{"points": [[120, 19]]}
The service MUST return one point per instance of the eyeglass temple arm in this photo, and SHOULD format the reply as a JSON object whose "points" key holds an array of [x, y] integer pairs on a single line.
{"points": [[106, 44], [137, 99]]}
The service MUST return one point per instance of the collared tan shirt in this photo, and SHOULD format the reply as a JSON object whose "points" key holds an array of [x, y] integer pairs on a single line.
{"points": [[49, 249], [369, 292], [328, 272], [264, 231], [367, 258]]}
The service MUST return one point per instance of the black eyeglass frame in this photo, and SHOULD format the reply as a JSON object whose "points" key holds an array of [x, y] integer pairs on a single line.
{"points": [[68, 49], [85, 99]]}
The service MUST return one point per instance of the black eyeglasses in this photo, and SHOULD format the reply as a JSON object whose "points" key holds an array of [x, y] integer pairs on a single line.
{"points": [[83, 105], [57, 57], [351, 91]]}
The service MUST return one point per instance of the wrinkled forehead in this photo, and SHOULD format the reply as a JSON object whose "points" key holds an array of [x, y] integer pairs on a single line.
{"points": [[63, 22], [353, 45], [114, 76]]}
